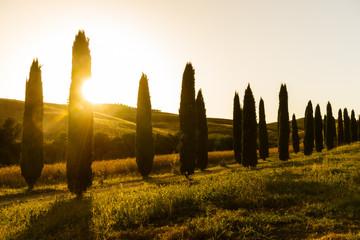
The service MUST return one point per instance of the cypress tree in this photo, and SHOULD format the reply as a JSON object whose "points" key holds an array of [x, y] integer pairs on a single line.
{"points": [[187, 147], [309, 130], [325, 121], [237, 128], [249, 130], [80, 133], [318, 130], [347, 134], [295, 135], [353, 127], [263, 135], [144, 136], [283, 124], [340, 129], [201, 132], [329, 128], [32, 142], [334, 127]]}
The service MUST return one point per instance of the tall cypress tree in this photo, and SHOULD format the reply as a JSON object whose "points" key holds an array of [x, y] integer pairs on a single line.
{"points": [[340, 129], [325, 121], [283, 124], [329, 127], [187, 122], [144, 136], [354, 130], [249, 130], [237, 128], [295, 135], [80, 135], [309, 130], [263, 135], [347, 133], [318, 130], [334, 127], [32, 142], [201, 132]]}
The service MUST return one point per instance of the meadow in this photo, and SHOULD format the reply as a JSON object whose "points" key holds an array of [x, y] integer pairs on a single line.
{"points": [[307, 197]]}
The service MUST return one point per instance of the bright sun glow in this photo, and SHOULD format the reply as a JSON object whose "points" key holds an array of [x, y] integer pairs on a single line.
{"points": [[89, 91]]}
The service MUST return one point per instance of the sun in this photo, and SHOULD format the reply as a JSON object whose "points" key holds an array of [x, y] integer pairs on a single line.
{"points": [[89, 91]]}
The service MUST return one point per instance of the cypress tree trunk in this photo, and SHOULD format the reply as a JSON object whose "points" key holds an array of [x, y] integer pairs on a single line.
{"points": [[201, 132], [249, 130], [329, 128], [263, 135], [32, 142], [347, 134], [354, 130], [340, 129], [283, 124], [309, 130], [237, 128], [295, 135], [80, 135], [144, 137], [187, 122], [318, 130]]}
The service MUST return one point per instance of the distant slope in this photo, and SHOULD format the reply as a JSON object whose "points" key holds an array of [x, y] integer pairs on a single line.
{"points": [[118, 119]]}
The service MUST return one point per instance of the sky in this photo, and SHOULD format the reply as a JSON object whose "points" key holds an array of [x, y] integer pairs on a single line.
{"points": [[311, 45]]}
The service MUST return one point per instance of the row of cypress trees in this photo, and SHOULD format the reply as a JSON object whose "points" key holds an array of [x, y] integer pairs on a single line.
{"points": [[192, 113]]}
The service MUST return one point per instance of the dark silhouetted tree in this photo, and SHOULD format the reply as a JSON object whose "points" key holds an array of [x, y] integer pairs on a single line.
{"points": [[80, 135], [187, 147], [249, 130], [32, 142], [201, 132], [283, 124], [295, 135], [334, 127], [325, 121], [263, 135], [144, 146], [347, 133], [340, 129], [319, 141], [10, 147], [329, 127], [354, 129], [237, 128], [309, 130]]}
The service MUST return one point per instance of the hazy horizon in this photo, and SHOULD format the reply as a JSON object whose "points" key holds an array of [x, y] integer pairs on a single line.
{"points": [[309, 45]]}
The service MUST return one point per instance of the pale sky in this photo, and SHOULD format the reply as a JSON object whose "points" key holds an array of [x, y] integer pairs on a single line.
{"points": [[311, 45]]}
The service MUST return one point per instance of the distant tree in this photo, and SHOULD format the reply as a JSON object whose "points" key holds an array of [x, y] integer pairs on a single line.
{"points": [[144, 147], [325, 121], [201, 132], [330, 130], [353, 127], [32, 142], [283, 124], [340, 129], [80, 135], [237, 128], [263, 135], [347, 132], [295, 135], [318, 130], [187, 147], [9, 142], [358, 127], [249, 130], [309, 130]]}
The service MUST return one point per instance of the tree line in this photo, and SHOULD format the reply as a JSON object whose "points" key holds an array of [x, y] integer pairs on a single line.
{"points": [[192, 141]]}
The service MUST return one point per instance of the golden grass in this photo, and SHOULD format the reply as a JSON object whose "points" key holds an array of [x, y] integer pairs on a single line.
{"points": [[56, 173]]}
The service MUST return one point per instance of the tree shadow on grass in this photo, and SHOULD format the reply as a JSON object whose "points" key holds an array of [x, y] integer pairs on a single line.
{"points": [[70, 219]]}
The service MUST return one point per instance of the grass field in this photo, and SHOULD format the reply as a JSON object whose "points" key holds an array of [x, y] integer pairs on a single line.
{"points": [[313, 197]]}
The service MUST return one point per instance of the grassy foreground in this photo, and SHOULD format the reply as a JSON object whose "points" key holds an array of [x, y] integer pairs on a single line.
{"points": [[315, 197]]}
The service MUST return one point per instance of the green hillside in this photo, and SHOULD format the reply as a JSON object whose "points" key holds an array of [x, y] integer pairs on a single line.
{"points": [[117, 119]]}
